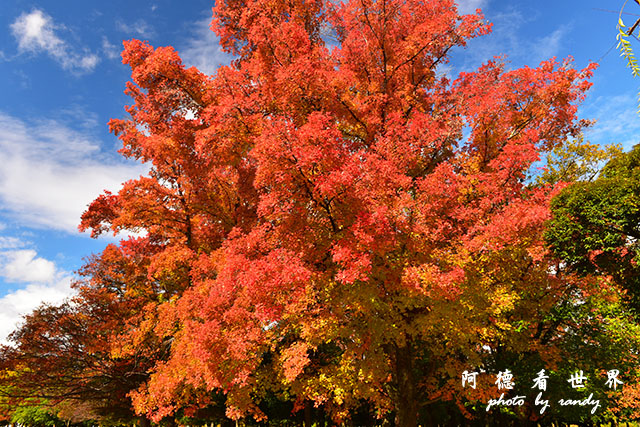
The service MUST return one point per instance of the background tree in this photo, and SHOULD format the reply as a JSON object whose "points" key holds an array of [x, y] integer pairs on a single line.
{"points": [[71, 358], [594, 232], [576, 160], [595, 224]]}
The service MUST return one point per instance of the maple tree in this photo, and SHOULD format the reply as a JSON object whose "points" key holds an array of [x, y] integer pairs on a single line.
{"points": [[323, 228], [324, 220]]}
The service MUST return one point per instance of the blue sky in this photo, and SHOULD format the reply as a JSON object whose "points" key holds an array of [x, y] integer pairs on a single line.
{"points": [[61, 80]]}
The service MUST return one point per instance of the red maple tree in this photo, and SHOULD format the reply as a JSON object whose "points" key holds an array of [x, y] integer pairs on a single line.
{"points": [[332, 217]]}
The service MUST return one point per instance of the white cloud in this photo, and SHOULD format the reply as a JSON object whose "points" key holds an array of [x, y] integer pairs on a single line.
{"points": [[469, 6], [110, 50], [44, 283], [25, 266], [140, 27], [15, 305], [203, 50], [50, 173], [35, 33]]}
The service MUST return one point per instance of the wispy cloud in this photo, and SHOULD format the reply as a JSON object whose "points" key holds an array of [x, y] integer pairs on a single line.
{"points": [[35, 32], [203, 49], [617, 120], [140, 28], [549, 45], [40, 279], [110, 50], [51, 173], [470, 6], [7, 242], [508, 39]]}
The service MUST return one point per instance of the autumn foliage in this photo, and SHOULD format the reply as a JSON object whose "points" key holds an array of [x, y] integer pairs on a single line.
{"points": [[332, 221], [70, 358]]}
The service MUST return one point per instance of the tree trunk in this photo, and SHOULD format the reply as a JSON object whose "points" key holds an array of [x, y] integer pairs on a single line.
{"points": [[406, 399], [307, 414]]}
